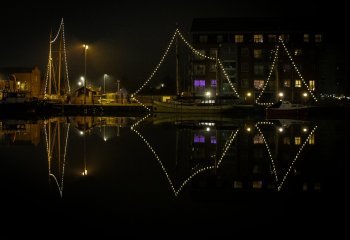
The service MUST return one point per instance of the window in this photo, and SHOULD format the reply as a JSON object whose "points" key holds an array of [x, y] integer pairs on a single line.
{"points": [[244, 67], [298, 83], [306, 37], [257, 53], [297, 52], [312, 85], [297, 140], [258, 139], [245, 52], [213, 83], [213, 52], [318, 38], [286, 83], [312, 139], [259, 69], [213, 139], [272, 38], [244, 83], [287, 67], [258, 38], [203, 38], [199, 83], [212, 68], [199, 138], [219, 38], [199, 69], [258, 84], [286, 140], [239, 39]]}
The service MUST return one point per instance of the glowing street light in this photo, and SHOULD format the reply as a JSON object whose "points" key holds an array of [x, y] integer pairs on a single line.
{"points": [[86, 47], [104, 82]]}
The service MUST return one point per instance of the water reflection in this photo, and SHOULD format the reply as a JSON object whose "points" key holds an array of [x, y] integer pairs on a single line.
{"points": [[194, 152]]}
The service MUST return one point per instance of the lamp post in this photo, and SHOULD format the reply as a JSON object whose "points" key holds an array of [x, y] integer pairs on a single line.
{"points": [[118, 82], [104, 82], [86, 47]]}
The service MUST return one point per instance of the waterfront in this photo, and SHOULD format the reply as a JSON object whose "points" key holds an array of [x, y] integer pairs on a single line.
{"points": [[172, 175]]}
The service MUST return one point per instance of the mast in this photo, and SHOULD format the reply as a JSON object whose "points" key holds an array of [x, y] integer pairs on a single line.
{"points": [[277, 81], [59, 67], [177, 63]]}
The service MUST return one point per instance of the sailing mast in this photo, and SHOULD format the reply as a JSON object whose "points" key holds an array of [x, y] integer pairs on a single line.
{"points": [[177, 64]]}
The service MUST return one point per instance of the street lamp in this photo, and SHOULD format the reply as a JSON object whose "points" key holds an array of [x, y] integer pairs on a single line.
{"points": [[86, 47], [104, 82]]}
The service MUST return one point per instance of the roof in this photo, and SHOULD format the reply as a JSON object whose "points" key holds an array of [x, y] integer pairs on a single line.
{"points": [[256, 25]]}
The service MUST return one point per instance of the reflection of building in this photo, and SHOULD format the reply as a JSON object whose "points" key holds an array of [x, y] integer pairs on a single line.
{"points": [[21, 79], [246, 47], [19, 132]]}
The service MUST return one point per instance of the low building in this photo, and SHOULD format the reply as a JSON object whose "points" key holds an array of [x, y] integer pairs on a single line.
{"points": [[14, 79]]}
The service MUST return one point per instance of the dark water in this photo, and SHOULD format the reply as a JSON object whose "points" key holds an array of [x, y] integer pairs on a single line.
{"points": [[172, 176]]}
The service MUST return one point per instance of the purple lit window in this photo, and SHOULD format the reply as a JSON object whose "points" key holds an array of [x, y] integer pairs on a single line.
{"points": [[213, 139], [199, 83], [213, 83], [199, 138]]}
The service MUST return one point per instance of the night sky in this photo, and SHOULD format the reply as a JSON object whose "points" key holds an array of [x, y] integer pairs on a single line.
{"points": [[126, 39]]}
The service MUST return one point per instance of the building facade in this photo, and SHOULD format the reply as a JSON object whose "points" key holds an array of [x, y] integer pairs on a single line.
{"points": [[21, 79], [247, 47]]}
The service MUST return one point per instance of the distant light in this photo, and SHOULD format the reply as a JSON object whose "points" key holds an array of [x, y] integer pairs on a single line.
{"points": [[82, 78], [280, 129], [249, 94], [18, 83], [162, 85], [304, 129], [280, 94], [304, 94], [105, 139], [81, 133], [208, 94], [84, 173], [208, 129], [79, 83], [249, 129]]}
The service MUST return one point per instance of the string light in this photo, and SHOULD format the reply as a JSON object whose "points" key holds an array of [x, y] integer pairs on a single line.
{"points": [[295, 159], [296, 68], [196, 52]]}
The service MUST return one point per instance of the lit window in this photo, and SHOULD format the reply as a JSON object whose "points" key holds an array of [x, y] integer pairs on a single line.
{"points": [[257, 53], [203, 38], [199, 138], [258, 38], [297, 140], [318, 38], [312, 85], [239, 38], [199, 83], [213, 83], [298, 83], [258, 139], [286, 83], [258, 84], [312, 139], [213, 139], [306, 38], [271, 38]]}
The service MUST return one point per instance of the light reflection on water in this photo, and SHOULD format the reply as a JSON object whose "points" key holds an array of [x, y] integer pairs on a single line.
{"points": [[114, 165]]}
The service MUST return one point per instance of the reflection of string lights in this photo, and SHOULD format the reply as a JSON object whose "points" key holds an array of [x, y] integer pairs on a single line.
{"points": [[295, 158], [280, 184], [176, 192], [49, 156]]}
